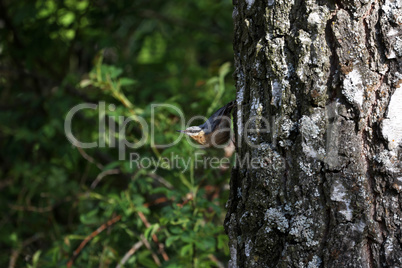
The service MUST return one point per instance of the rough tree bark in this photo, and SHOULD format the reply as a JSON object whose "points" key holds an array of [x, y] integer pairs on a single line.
{"points": [[321, 82]]}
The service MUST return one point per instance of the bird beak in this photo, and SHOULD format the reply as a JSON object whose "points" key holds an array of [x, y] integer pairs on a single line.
{"points": [[182, 131]]}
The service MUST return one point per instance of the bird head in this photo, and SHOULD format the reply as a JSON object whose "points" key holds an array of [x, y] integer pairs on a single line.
{"points": [[196, 133], [191, 131]]}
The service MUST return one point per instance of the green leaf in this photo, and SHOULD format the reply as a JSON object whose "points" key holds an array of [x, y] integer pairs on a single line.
{"points": [[176, 230], [35, 258], [90, 217], [186, 182], [170, 240], [110, 71], [151, 230], [66, 18], [213, 80], [174, 265], [124, 81], [186, 238], [46, 8], [187, 250]]}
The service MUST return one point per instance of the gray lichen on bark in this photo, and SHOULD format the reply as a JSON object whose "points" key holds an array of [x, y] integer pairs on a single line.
{"points": [[318, 84]]}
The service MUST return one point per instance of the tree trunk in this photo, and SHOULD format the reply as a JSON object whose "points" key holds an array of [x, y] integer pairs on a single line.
{"points": [[318, 178]]}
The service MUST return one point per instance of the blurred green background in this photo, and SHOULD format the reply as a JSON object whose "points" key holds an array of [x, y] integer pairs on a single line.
{"points": [[56, 198]]}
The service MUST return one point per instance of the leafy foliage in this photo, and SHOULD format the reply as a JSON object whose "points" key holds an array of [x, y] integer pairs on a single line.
{"points": [[127, 56]]}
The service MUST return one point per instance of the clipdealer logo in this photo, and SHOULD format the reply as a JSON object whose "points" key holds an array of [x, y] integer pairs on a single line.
{"points": [[115, 135], [249, 133]]}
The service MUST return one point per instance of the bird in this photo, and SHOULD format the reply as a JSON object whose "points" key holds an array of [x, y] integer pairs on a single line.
{"points": [[215, 131]]}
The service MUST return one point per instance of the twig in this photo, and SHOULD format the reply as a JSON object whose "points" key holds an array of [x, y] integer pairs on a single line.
{"points": [[157, 201], [5, 183], [89, 158], [129, 253], [40, 209], [16, 252], [189, 198], [217, 262], [154, 237], [154, 176], [90, 237], [32, 208], [161, 180], [148, 246], [102, 175]]}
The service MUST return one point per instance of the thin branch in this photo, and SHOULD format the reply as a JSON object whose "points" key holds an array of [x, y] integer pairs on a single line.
{"points": [[5, 183], [89, 158], [217, 262], [161, 180], [40, 209], [90, 237], [189, 198], [32, 208], [157, 201], [102, 175], [154, 237], [129, 253], [148, 246]]}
